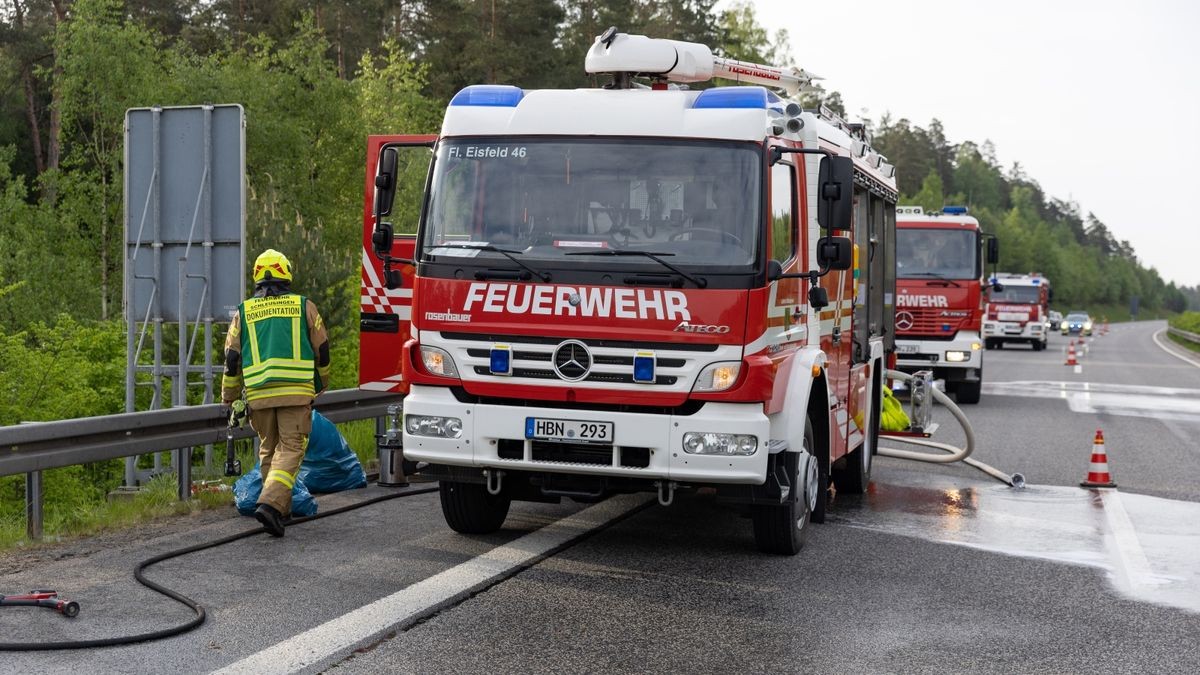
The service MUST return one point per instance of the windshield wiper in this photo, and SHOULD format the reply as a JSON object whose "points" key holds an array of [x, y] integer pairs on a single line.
{"points": [[936, 276], [506, 252], [699, 282]]}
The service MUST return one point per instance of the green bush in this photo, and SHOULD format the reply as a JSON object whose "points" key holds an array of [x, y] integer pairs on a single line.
{"points": [[1189, 321]]}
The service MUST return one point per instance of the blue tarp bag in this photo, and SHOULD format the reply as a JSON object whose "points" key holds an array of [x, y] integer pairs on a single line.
{"points": [[249, 486], [329, 464]]}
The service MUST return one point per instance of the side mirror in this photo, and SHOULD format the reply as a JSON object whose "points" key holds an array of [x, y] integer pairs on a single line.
{"points": [[392, 279], [993, 250], [385, 182], [774, 270], [381, 239], [1050, 295], [997, 287], [818, 298], [835, 189], [835, 253]]}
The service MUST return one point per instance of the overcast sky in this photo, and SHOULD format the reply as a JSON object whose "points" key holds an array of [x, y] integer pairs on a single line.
{"points": [[1098, 100]]}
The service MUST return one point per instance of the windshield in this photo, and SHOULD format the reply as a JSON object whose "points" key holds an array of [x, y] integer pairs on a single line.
{"points": [[1016, 294], [931, 253], [1077, 318], [695, 204]]}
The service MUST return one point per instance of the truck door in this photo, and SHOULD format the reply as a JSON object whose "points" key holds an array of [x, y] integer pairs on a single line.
{"points": [[386, 314]]}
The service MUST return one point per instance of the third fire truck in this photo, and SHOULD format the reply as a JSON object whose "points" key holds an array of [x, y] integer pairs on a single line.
{"points": [[635, 287], [939, 296], [1018, 311]]}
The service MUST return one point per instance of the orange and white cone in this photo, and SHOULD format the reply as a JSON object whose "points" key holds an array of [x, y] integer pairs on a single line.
{"points": [[1098, 475], [1071, 354]]}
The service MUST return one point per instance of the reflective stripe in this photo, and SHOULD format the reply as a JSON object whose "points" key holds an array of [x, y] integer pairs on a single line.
{"points": [[285, 390], [296, 338], [253, 335], [282, 476], [282, 375]]}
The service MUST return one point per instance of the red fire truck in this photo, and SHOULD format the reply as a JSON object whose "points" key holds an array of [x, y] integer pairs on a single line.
{"points": [[635, 288], [939, 296], [1017, 311]]}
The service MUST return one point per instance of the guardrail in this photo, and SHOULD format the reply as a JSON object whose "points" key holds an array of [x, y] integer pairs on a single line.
{"points": [[32, 448], [1190, 337]]}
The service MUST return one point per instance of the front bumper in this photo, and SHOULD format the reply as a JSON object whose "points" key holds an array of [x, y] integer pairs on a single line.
{"points": [[1000, 330], [488, 430], [931, 355]]}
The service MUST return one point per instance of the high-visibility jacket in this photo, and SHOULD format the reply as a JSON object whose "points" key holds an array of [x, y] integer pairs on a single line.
{"points": [[277, 355]]}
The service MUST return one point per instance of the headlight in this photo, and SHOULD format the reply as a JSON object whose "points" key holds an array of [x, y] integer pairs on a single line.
{"points": [[718, 376], [957, 357], [1087, 325], [438, 362], [432, 425], [713, 443]]}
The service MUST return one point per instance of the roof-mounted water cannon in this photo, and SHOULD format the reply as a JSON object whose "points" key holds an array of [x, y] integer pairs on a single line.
{"points": [[624, 55]]}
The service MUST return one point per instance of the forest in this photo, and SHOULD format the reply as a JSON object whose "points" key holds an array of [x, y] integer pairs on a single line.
{"points": [[315, 77]]}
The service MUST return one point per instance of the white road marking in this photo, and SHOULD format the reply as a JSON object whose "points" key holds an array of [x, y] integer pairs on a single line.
{"points": [[1172, 351], [335, 639], [1131, 560], [1090, 398]]}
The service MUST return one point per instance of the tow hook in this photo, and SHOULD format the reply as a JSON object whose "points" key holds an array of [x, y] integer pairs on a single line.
{"points": [[498, 476], [666, 491]]}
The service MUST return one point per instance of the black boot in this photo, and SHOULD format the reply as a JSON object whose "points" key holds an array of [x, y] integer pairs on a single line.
{"points": [[270, 519]]}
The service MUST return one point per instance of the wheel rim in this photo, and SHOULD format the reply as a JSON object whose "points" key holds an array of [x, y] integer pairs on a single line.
{"points": [[810, 484]]}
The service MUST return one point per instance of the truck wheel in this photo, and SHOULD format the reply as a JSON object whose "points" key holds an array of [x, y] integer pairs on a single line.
{"points": [[1038, 346], [469, 509], [783, 528], [855, 474], [968, 392]]}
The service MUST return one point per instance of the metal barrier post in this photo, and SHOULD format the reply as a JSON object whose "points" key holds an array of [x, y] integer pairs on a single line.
{"points": [[33, 505], [183, 471]]}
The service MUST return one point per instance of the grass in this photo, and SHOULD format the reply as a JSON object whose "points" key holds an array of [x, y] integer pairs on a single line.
{"points": [[155, 502], [80, 516], [1184, 343]]}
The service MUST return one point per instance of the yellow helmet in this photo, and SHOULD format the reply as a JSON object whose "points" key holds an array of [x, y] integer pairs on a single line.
{"points": [[272, 266]]}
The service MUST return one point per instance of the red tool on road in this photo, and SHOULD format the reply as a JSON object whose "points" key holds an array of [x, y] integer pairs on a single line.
{"points": [[47, 599]]}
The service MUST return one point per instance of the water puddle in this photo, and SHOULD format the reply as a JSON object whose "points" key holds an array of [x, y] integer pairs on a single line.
{"points": [[1149, 547]]}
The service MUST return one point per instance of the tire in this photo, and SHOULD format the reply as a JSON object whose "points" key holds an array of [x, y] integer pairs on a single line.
{"points": [[782, 529], [1037, 346], [469, 509], [968, 393], [855, 475]]}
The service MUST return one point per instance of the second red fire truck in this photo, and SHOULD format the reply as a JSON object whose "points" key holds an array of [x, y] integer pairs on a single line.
{"points": [[635, 288], [940, 280]]}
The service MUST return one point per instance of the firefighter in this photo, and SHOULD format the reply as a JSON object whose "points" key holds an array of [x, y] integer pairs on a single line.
{"points": [[278, 351]]}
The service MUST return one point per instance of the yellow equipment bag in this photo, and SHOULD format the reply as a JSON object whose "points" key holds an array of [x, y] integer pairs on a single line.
{"points": [[892, 417]]}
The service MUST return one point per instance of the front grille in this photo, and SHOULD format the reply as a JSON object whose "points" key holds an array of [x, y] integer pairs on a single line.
{"points": [[929, 321], [612, 378], [510, 448], [600, 360], [572, 453]]}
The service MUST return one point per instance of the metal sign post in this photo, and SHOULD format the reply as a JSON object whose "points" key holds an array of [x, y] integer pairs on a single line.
{"points": [[185, 223]]}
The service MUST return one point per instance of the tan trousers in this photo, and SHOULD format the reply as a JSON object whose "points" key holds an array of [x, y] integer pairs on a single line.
{"points": [[283, 438]]}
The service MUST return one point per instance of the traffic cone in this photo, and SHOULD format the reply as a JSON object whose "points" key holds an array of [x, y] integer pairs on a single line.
{"points": [[1071, 354], [1098, 475]]}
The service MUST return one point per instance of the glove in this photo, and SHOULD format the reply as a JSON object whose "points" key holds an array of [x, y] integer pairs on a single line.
{"points": [[238, 413]]}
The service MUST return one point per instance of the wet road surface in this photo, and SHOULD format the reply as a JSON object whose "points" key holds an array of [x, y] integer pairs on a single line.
{"points": [[936, 569]]}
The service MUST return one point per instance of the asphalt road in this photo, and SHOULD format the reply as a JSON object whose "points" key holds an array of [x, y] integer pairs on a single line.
{"points": [[936, 569]]}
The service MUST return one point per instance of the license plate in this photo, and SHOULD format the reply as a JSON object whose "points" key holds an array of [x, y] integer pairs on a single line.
{"points": [[906, 349], [568, 431]]}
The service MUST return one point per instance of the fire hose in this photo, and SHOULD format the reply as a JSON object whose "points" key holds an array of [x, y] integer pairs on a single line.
{"points": [[197, 608], [955, 454]]}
